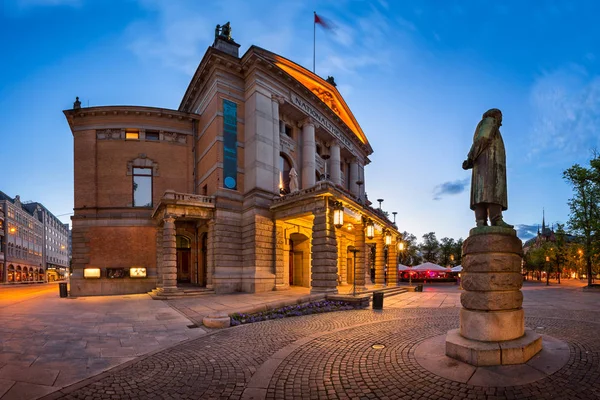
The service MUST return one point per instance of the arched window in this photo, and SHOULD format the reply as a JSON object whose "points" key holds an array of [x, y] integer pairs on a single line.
{"points": [[183, 242], [284, 174]]}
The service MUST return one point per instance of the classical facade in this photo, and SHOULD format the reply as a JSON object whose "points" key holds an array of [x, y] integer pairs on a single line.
{"points": [[33, 242], [242, 189]]}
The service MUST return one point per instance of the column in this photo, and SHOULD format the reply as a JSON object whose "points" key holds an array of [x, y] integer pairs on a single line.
{"points": [[379, 261], [282, 274], [159, 257], [392, 269], [210, 254], [354, 177], [342, 259], [334, 163], [361, 256], [308, 154], [169, 267], [275, 101], [323, 252]]}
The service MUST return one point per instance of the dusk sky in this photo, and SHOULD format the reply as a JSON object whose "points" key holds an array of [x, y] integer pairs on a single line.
{"points": [[417, 75]]}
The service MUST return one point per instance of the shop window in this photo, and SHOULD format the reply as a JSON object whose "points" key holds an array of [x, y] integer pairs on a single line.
{"points": [[142, 187]]}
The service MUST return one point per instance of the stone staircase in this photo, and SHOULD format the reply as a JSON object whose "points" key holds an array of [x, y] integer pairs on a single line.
{"points": [[180, 293]]}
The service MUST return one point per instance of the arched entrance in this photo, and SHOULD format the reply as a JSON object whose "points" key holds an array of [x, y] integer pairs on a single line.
{"points": [[299, 260], [184, 257]]}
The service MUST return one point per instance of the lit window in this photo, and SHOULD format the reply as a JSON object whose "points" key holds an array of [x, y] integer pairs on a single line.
{"points": [[132, 134], [142, 187]]}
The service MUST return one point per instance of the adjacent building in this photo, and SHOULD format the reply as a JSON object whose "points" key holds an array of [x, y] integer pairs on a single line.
{"points": [[255, 183], [33, 242]]}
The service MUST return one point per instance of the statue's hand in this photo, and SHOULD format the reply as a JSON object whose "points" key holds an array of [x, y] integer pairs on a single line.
{"points": [[467, 164]]}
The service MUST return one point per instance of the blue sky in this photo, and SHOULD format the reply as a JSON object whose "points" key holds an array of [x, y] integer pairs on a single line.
{"points": [[417, 75]]}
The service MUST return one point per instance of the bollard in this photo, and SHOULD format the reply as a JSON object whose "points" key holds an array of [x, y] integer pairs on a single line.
{"points": [[377, 300], [62, 289]]}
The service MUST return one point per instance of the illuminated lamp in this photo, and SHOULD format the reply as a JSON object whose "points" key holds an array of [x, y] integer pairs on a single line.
{"points": [[137, 272], [387, 237], [93, 273], [370, 229], [12, 230], [400, 245], [338, 214]]}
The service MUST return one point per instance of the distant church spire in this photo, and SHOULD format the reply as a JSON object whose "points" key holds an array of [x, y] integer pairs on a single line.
{"points": [[543, 220]]}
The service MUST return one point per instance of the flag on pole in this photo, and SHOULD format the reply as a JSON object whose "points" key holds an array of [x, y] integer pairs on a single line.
{"points": [[326, 24]]}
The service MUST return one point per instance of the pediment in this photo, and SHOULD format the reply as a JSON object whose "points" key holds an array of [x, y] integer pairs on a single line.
{"points": [[325, 91]]}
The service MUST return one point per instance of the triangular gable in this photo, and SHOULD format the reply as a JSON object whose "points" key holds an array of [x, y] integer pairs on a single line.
{"points": [[322, 89]]}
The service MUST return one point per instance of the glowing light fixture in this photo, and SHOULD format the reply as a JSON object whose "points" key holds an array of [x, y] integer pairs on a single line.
{"points": [[12, 230], [400, 245], [93, 273], [387, 236], [370, 229], [338, 214], [137, 272]]}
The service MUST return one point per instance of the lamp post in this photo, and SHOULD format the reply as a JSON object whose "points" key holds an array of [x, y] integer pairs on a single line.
{"points": [[354, 250], [547, 274], [387, 241]]}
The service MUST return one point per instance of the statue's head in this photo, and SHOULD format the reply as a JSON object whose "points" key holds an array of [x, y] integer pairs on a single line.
{"points": [[494, 113]]}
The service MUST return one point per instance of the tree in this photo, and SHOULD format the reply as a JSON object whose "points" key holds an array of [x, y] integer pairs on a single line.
{"points": [[583, 218], [430, 247], [447, 248], [457, 252], [561, 252]]}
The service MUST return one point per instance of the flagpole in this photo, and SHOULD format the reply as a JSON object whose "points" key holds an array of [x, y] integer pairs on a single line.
{"points": [[314, 38]]}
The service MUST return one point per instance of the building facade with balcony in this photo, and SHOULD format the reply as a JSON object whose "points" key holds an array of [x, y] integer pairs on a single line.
{"points": [[255, 183]]}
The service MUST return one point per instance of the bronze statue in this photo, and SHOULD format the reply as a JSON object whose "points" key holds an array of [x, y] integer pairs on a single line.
{"points": [[487, 158], [223, 31]]}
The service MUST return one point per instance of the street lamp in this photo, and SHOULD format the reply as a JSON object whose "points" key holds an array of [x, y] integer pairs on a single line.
{"points": [[387, 237], [338, 214], [354, 250]]}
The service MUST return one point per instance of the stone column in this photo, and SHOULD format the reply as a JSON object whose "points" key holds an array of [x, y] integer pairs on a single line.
{"points": [[392, 267], [210, 254], [169, 263], [354, 177], [308, 154], [342, 258], [334, 163], [323, 252], [379, 262], [282, 274], [361, 256], [159, 257], [275, 101], [492, 327]]}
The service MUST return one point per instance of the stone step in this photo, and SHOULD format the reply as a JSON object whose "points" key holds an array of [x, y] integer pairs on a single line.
{"points": [[180, 294]]}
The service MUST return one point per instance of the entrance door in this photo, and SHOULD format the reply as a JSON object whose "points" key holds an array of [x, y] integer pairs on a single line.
{"points": [[183, 265], [184, 257], [350, 269], [298, 278], [204, 258]]}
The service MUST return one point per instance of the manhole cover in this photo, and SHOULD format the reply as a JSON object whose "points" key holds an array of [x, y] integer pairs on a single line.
{"points": [[378, 346]]}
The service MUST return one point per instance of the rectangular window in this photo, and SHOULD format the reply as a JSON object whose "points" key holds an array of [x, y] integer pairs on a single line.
{"points": [[289, 131], [152, 135], [132, 134], [142, 187]]}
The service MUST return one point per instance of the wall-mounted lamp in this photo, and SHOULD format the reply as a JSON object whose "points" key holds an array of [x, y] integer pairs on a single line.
{"points": [[387, 236], [338, 214], [370, 229]]}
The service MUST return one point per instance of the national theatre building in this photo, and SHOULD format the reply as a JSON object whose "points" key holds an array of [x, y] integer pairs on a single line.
{"points": [[255, 183]]}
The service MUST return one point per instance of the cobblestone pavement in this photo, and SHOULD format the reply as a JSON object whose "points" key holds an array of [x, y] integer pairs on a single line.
{"points": [[330, 356]]}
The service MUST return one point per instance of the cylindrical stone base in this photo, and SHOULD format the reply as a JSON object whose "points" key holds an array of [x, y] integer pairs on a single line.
{"points": [[492, 326]]}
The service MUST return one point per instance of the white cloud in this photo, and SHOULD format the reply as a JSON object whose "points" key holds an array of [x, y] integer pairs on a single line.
{"points": [[566, 104]]}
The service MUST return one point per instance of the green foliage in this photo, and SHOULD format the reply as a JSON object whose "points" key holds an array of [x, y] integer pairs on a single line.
{"points": [[410, 254], [430, 248], [447, 248]]}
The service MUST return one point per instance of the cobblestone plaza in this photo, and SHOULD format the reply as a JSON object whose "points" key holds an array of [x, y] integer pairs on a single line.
{"points": [[332, 355]]}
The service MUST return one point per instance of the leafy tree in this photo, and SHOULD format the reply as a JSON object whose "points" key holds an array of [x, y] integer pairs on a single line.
{"points": [[447, 248], [457, 251], [430, 247], [561, 250], [583, 218]]}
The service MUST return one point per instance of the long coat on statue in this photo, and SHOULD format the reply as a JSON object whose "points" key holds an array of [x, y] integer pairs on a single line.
{"points": [[488, 182]]}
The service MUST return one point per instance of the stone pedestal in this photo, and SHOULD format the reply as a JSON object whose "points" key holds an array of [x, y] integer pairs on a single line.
{"points": [[492, 322]]}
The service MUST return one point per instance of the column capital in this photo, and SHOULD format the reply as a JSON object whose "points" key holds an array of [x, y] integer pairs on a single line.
{"points": [[276, 98], [169, 219], [307, 122], [334, 142]]}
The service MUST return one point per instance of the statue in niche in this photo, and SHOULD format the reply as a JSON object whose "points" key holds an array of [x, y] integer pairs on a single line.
{"points": [[487, 158], [293, 180]]}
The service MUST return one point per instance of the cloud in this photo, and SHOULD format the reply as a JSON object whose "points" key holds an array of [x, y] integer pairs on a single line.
{"points": [[566, 106], [449, 188], [526, 232]]}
